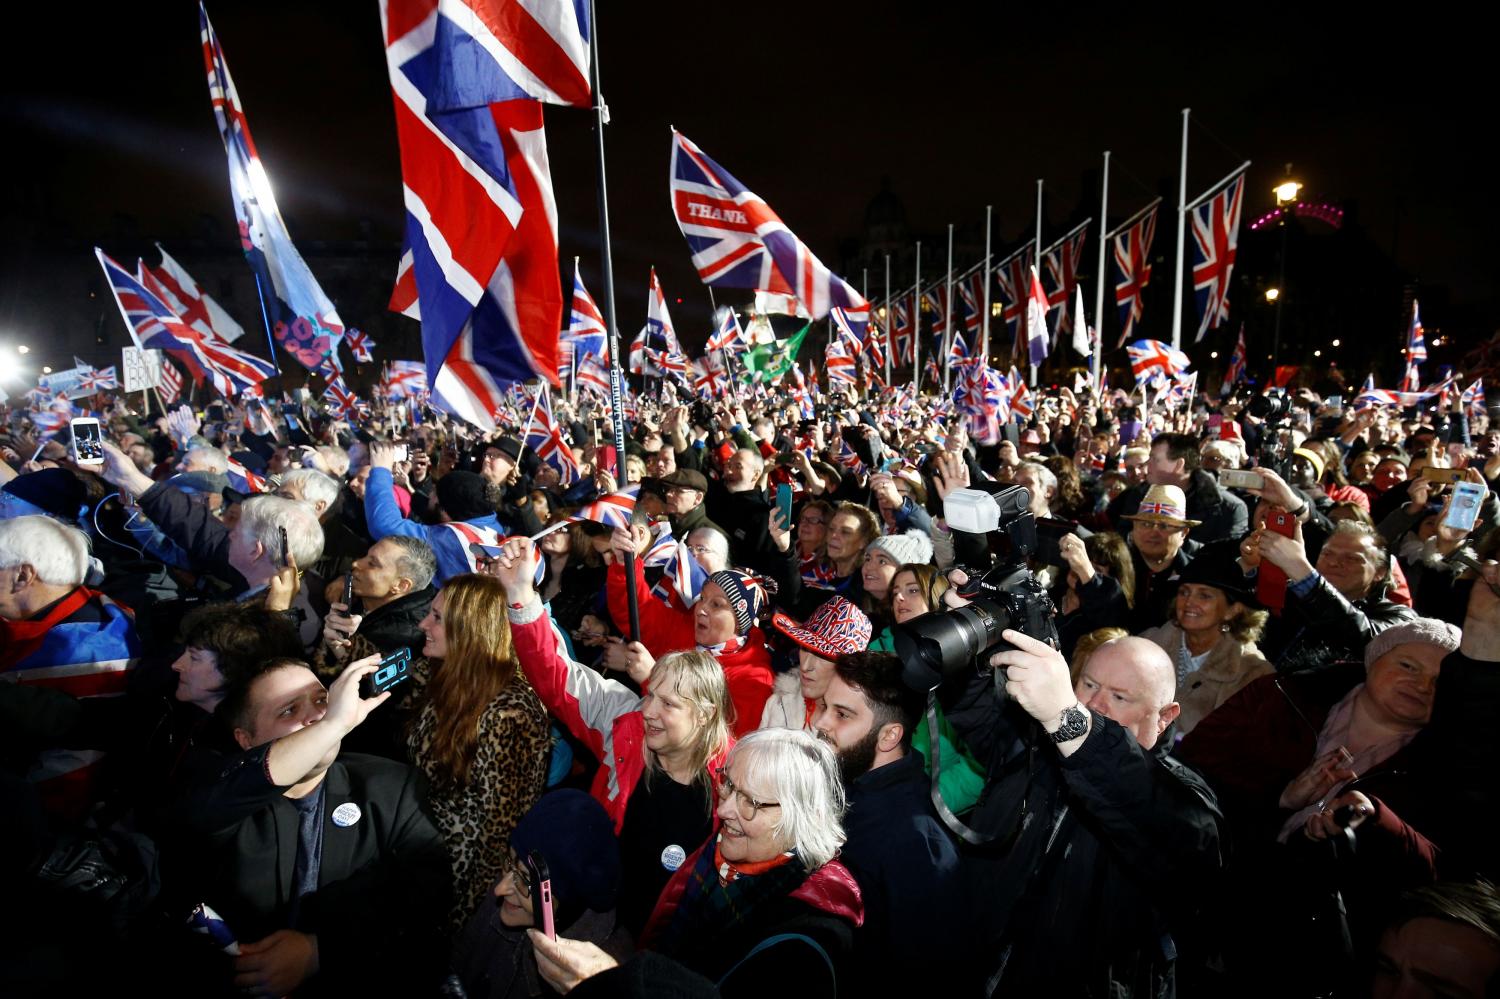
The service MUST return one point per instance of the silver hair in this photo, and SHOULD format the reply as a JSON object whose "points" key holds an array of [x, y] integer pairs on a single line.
{"points": [[1046, 478], [1229, 450], [754, 460], [314, 485], [58, 553], [712, 538], [260, 516], [801, 773], [211, 458], [416, 561], [336, 460]]}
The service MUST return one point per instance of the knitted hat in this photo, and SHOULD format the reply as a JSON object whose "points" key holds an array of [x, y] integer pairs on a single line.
{"points": [[574, 835], [746, 597], [55, 491], [1422, 631], [835, 629], [1163, 505], [462, 495], [913, 546]]}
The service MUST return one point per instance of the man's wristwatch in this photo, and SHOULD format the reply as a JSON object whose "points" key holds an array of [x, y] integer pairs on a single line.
{"points": [[1074, 723]]}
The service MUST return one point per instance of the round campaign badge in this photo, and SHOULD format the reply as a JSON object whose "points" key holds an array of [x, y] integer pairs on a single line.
{"points": [[672, 857], [346, 814]]}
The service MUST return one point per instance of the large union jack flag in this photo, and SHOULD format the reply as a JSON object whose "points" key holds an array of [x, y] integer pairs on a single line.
{"points": [[97, 379], [1132, 253], [1014, 277], [1062, 271], [153, 325], [467, 81], [1216, 233], [1151, 360], [586, 328], [739, 242], [303, 318]]}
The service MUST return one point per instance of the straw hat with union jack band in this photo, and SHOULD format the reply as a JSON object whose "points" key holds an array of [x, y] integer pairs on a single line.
{"points": [[1164, 505]]}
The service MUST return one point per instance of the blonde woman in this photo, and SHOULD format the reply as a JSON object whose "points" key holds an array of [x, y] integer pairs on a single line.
{"points": [[658, 750]]}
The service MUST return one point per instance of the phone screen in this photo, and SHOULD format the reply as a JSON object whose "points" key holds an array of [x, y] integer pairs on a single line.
{"points": [[784, 504], [1463, 508], [88, 442], [401, 452]]}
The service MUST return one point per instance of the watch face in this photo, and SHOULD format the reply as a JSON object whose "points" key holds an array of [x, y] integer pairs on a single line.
{"points": [[1074, 724]]}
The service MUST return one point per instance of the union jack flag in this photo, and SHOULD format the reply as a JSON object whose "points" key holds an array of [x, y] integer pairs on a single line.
{"points": [[153, 324], [190, 302], [405, 378], [854, 334], [360, 344], [1062, 268], [1416, 349], [613, 510], [1152, 359], [1236, 370], [838, 363], [1216, 233], [936, 300], [544, 436], [847, 458], [1473, 396], [1021, 403], [710, 380], [958, 350], [1411, 378], [1132, 253], [340, 398], [875, 346], [592, 376], [682, 576], [728, 334], [739, 242], [97, 379], [971, 298], [1014, 277], [170, 385], [467, 79], [586, 332], [302, 317], [241, 479], [905, 333]]}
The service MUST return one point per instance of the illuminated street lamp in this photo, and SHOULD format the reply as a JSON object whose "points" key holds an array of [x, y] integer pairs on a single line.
{"points": [[1286, 192], [1272, 294], [1286, 197], [23, 349]]}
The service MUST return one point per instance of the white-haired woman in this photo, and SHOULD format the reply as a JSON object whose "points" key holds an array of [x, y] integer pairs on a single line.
{"points": [[764, 907], [658, 751]]}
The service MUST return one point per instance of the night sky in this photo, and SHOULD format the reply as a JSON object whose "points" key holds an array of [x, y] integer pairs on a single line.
{"points": [[106, 114]]}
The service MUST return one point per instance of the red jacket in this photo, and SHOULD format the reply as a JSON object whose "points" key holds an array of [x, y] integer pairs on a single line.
{"points": [[747, 672], [602, 714]]}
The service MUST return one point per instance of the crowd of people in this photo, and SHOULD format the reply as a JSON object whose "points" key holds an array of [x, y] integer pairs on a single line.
{"points": [[672, 745]]}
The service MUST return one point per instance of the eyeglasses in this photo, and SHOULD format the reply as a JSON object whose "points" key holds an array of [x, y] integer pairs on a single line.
{"points": [[743, 803], [812, 522], [700, 549], [512, 865]]}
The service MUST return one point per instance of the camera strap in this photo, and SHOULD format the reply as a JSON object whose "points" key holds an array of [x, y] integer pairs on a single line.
{"points": [[956, 825]]}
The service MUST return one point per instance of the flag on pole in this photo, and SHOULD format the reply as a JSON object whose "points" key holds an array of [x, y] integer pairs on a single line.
{"points": [[728, 334], [302, 317], [769, 361], [613, 510], [1132, 253], [1037, 338], [1152, 359], [852, 333], [592, 375], [1236, 370], [340, 398], [971, 298], [710, 380], [1473, 396], [905, 330], [1083, 337], [739, 242], [405, 378], [1416, 350], [1216, 233], [169, 386], [586, 328], [1011, 274], [1062, 268], [190, 302], [544, 436], [481, 223]]}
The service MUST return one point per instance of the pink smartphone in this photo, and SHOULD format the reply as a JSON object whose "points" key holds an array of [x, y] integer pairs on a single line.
{"points": [[541, 892]]}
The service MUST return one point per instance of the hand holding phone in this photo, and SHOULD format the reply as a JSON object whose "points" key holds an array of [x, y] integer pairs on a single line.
{"points": [[394, 668], [88, 441], [541, 893], [1270, 580], [1463, 506], [784, 504], [285, 558]]}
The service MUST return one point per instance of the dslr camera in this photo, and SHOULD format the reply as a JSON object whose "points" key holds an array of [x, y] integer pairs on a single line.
{"points": [[938, 646]]}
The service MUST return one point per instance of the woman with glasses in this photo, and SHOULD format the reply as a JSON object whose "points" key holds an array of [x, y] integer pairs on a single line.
{"points": [[657, 750], [763, 908]]}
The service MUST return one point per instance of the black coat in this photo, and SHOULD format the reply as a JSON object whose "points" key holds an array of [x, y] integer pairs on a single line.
{"points": [[1325, 627], [1113, 847], [1223, 514]]}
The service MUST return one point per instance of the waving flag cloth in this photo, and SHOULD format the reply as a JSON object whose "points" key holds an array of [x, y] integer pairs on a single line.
{"points": [[340, 398], [682, 577], [1036, 321], [1012, 275], [769, 361], [303, 318], [852, 336], [728, 334], [153, 325], [738, 242], [190, 302], [1083, 336], [1473, 396], [613, 510], [905, 336], [97, 379], [1416, 350], [1216, 233], [1151, 360], [1021, 403], [405, 379], [169, 387], [971, 299], [1062, 268], [592, 375], [936, 299], [1132, 253], [360, 345], [544, 436], [1236, 370], [467, 77], [838, 364], [586, 329], [710, 380]]}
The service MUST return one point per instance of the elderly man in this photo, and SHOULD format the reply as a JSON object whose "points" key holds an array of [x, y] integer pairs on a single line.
{"points": [[685, 489], [310, 854], [738, 502], [1174, 460], [58, 634], [1099, 841], [1160, 549]]}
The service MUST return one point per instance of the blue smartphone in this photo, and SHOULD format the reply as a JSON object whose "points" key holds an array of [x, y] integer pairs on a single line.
{"points": [[784, 504]]}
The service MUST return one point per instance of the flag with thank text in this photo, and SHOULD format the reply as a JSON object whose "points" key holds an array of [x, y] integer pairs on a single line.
{"points": [[191, 303], [1132, 253], [1037, 338], [1216, 233], [303, 318], [739, 242], [1236, 370], [468, 80]]}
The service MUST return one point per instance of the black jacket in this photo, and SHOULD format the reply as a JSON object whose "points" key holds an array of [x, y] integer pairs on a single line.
{"points": [[1113, 847], [1325, 626], [1223, 514], [745, 517]]}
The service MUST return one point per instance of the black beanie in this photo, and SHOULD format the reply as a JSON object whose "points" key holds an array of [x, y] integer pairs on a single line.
{"points": [[463, 496]]}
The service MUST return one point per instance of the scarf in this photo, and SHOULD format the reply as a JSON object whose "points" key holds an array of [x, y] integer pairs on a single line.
{"points": [[19, 639], [727, 648], [720, 897]]}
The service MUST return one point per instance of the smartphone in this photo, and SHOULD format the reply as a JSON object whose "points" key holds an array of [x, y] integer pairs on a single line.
{"points": [[401, 452], [1270, 581], [286, 553], [394, 668], [1335, 403], [541, 892], [348, 592], [1239, 478], [784, 504], [88, 442], [1463, 508], [1445, 475]]}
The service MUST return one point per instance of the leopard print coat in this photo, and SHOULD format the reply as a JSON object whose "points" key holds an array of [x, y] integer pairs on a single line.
{"points": [[508, 776]]}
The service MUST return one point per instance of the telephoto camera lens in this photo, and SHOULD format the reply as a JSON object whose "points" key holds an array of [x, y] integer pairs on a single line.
{"points": [[934, 646]]}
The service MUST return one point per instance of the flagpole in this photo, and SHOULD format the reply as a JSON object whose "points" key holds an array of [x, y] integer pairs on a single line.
{"points": [[916, 329], [989, 212], [616, 377], [1098, 344], [890, 317], [265, 318], [1181, 236], [948, 318], [1038, 266]]}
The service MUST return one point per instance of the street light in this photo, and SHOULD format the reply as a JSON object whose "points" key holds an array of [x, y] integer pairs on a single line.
{"points": [[23, 349], [1335, 343], [46, 369], [1286, 192], [1286, 196], [1272, 294]]}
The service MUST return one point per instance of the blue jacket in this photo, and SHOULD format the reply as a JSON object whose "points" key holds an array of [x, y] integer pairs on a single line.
{"points": [[384, 519]]}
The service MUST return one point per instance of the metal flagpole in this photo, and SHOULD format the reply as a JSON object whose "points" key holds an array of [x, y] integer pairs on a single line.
{"points": [[1037, 266], [1098, 343], [1181, 234], [890, 316], [616, 376], [916, 329], [948, 318], [989, 277]]}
